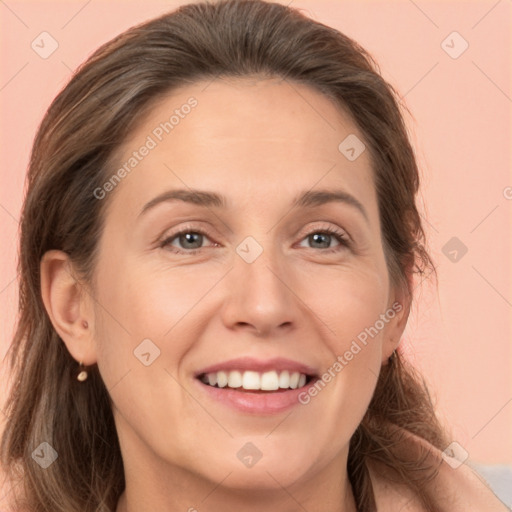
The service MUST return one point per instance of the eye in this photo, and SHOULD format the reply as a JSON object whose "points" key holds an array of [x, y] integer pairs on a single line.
{"points": [[324, 237], [190, 239]]}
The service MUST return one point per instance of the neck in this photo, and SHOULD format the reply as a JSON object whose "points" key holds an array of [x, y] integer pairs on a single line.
{"points": [[177, 490], [250, 502]]}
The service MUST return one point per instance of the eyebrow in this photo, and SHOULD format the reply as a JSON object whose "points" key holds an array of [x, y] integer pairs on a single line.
{"points": [[207, 199]]}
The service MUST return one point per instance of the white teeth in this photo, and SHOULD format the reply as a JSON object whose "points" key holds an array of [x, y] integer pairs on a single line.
{"points": [[234, 379], [222, 379], [294, 380], [212, 379], [284, 379], [250, 380], [269, 381]]}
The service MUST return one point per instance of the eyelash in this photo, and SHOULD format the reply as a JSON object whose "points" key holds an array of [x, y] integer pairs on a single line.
{"points": [[339, 235]]}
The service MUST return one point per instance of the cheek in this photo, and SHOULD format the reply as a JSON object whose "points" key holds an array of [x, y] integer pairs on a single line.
{"points": [[141, 341], [351, 311], [350, 304], [136, 303]]}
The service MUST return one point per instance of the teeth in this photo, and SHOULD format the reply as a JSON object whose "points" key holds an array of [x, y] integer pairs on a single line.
{"points": [[284, 379], [250, 380], [234, 379], [222, 379], [269, 381], [294, 380]]}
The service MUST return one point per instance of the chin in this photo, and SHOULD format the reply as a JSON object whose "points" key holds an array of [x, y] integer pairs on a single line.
{"points": [[259, 479], [267, 473]]}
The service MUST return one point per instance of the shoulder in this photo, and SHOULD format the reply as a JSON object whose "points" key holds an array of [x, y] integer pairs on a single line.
{"points": [[391, 496], [455, 487]]}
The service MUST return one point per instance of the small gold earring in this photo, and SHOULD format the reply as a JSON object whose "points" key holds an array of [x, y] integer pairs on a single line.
{"points": [[82, 375]]}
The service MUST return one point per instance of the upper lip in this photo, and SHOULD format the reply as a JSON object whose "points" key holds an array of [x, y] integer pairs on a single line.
{"points": [[259, 365]]}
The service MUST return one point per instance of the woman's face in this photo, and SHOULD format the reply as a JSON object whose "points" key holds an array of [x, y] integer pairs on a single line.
{"points": [[254, 276]]}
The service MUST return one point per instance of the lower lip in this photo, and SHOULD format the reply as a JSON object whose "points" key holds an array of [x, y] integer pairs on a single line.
{"points": [[272, 402]]}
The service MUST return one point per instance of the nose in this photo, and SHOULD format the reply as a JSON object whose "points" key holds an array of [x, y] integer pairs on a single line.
{"points": [[260, 295]]}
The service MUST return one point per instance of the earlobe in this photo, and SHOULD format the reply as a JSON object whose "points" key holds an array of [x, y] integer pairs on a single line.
{"points": [[67, 305]]}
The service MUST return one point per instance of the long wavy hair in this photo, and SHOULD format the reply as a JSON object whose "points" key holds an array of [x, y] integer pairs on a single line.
{"points": [[71, 157]]}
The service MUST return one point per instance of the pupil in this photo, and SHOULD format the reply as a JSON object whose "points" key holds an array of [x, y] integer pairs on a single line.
{"points": [[189, 237], [317, 235]]}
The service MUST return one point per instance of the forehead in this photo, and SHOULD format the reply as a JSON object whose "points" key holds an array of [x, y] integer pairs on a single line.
{"points": [[264, 139]]}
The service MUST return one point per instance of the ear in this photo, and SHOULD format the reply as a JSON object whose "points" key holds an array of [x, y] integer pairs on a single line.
{"points": [[69, 306], [399, 306]]}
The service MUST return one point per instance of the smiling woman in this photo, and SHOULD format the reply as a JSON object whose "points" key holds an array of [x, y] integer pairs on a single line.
{"points": [[218, 247]]}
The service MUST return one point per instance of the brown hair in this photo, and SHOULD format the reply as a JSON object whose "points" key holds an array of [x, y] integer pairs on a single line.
{"points": [[72, 152]]}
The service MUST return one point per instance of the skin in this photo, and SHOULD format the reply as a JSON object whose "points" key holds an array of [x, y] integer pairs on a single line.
{"points": [[260, 143]]}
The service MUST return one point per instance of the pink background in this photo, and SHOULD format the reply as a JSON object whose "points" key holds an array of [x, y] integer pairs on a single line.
{"points": [[461, 337]]}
